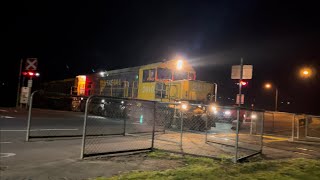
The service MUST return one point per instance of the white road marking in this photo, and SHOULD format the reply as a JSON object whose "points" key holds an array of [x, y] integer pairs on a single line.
{"points": [[7, 117], [22, 130], [54, 129], [4, 155], [2, 110], [305, 149], [97, 117], [5, 142], [135, 123], [12, 130]]}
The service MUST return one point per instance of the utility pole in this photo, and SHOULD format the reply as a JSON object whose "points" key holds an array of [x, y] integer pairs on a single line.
{"points": [[276, 100], [215, 92], [238, 111], [19, 84]]}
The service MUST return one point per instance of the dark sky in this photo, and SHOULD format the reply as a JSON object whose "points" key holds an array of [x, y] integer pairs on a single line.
{"points": [[71, 38]]}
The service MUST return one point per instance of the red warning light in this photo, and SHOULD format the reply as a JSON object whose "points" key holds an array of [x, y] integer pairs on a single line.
{"points": [[243, 83]]}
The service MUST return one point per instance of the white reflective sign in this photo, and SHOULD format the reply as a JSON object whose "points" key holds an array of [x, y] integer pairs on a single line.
{"points": [[24, 95], [247, 72], [238, 99]]}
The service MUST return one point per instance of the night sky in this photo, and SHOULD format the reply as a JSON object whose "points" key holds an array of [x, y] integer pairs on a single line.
{"points": [[72, 38]]}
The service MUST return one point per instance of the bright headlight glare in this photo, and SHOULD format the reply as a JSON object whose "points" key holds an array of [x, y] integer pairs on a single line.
{"points": [[227, 112], [184, 106]]}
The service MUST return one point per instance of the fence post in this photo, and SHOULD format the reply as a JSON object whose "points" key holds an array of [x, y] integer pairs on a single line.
{"points": [[293, 123], [298, 129], [85, 127], [237, 135], [262, 131], [273, 123], [181, 129], [251, 120], [124, 126], [29, 116], [206, 138], [165, 120], [154, 125], [306, 126]]}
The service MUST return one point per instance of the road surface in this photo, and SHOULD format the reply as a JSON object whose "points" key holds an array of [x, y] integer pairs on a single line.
{"points": [[41, 159]]}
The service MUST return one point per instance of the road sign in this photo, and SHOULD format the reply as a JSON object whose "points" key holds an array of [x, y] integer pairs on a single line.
{"points": [[238, 99], [25, 91], [30, 83], [31, 64], [247, 72]]}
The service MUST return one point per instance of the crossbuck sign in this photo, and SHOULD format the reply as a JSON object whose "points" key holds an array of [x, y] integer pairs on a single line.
{"points": [[31, 64]]}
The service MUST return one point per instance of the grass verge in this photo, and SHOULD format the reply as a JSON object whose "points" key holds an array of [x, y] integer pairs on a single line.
{"points": [[205, 168]]}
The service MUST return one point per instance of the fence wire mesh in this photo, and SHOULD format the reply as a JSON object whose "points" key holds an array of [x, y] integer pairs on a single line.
{"points": [[306, 128], [51, 117], [279, 123], [121, 125], [245, 141], [118, 125], [313, 127], [250, 133]]}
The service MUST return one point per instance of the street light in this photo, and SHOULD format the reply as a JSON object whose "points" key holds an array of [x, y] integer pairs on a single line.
{"points": [[306, 72], [269, 86]]}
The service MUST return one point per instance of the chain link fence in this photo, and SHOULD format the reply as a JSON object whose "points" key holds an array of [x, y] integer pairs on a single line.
{"points": [[306, 128], [117, 125], [50, 116], [120, 125], [278, 123], [239, 138]]}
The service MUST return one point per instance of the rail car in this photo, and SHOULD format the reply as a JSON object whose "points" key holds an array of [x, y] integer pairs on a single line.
{"points": [[167, 81]]}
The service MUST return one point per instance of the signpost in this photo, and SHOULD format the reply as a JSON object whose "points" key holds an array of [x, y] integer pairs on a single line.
{"points": [[240, 72], [30, 70]]}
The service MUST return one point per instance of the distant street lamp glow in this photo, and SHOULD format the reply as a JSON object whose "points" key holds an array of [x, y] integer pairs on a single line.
{"points": [[306, 72], [268, 85]]}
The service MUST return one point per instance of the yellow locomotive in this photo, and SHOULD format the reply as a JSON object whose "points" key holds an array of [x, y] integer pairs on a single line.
{"points": [[168, 81], [172, 82]]}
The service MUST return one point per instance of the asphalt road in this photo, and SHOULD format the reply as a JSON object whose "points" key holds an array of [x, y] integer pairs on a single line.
{"points": [[53, 159], [64, 123], [41, 159]]}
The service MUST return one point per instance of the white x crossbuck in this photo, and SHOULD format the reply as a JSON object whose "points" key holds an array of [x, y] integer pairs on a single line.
{"points": [[31, 64]]}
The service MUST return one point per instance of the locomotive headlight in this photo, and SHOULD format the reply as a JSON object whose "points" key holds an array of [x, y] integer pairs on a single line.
{"points": [[253, 116], [214, 109], [184, 106], [179, 64]]}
